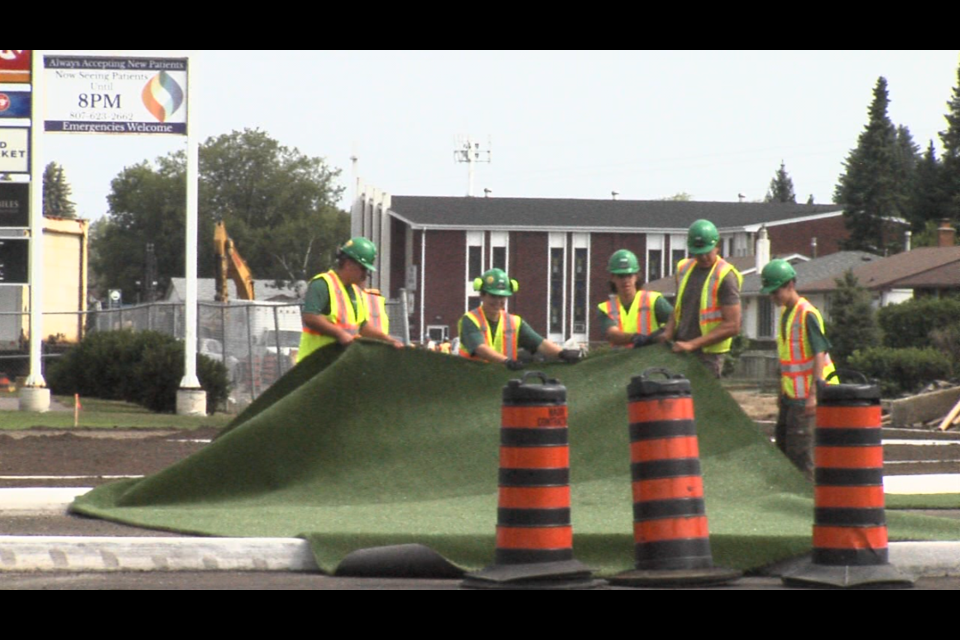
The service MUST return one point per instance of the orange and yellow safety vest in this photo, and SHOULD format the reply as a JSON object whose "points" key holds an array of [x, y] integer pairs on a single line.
{"points": [[710, 313], [342, 313], [506, 339], [376, 310], [640, 318], [796, 353]]}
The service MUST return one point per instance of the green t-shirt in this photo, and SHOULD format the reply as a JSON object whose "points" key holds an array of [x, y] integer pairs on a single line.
{"points": [[661, 309], [472, 337]]}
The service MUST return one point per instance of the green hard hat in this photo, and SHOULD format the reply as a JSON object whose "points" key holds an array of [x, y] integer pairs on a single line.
{"points": [[496, 283], [361, 250], [623, 262], [702, 237], [776, 274]]}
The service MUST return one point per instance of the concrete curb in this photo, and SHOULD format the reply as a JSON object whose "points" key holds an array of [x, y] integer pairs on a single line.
{"points": [[69, 553]]}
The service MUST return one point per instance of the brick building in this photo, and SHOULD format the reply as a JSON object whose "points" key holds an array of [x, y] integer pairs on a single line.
{"points": [[433, 247]]}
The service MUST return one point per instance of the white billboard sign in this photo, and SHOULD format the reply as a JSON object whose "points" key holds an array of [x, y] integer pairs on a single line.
{"points": [[14, 150], [130, 95]]}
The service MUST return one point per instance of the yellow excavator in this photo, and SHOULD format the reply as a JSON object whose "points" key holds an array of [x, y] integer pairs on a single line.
{"points": [[230, 265]]}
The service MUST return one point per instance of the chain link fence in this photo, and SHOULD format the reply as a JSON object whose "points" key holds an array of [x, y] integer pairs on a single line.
{"points": [[257, 342]]}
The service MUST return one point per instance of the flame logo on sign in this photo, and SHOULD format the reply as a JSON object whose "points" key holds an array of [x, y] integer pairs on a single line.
{"points": [[162, 96]]}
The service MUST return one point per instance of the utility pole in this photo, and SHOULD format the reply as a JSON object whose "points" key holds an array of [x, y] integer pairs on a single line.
{"points": [[466, 150]]}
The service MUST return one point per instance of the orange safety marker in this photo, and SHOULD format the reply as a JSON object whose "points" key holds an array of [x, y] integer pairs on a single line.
{"points": [[670, 532], [849, 530], [534, 535]]}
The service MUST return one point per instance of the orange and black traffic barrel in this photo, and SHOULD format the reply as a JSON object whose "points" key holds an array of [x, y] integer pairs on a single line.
{"points": [[849, 530], [671, 538], [534, 543]]}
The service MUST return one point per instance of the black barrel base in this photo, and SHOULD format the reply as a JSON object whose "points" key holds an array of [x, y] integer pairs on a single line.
{"points": [[706, 577], [565, 575], [883, 576]]}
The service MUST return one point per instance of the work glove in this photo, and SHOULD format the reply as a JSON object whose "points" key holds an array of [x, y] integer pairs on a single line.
{"points": [[572, 356], [514, 365], [640, 340]]}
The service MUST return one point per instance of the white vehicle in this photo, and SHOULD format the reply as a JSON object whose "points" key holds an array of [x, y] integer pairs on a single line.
{"points": [[211, 348], [289, 342]]}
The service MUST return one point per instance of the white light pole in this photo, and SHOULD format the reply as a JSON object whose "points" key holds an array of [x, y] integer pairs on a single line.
{"points": [[191, 398], [35, 396]]}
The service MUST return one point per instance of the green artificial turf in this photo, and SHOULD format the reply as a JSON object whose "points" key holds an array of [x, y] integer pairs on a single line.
{"points": [[385, 446]]}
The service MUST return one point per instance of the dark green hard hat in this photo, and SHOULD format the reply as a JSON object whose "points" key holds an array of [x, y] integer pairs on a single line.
{"points": [[361, 250], [702, 237], [623, 262], [496, 283], [776, 274]]}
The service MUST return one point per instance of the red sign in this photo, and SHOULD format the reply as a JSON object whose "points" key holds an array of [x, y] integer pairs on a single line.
{"points": [[15, 65]]}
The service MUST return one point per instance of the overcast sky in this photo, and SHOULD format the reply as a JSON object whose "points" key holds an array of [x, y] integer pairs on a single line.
{"points": [[560, 124]]}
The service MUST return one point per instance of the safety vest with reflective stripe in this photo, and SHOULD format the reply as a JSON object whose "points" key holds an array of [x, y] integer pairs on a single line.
{"points": [[641, 318], [710, 313], [796, 353], [505, 341], [377, 311], [342, 314]]}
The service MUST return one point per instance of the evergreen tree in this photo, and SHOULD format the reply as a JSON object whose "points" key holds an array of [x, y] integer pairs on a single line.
{"points": [[56, 193], [951, 152], [810, 199], [906, 159], [927, 198], [781, 187], [853, 322], [870, 187]]}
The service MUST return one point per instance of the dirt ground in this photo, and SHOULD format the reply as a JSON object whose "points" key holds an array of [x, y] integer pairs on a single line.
{"points": [[91, 457], [758, 406]]}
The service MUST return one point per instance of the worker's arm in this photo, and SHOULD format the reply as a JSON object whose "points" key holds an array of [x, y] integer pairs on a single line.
{"points": [[488, 353], [669, 329], [728, 327], [322, 325], [617, 337], [819, 360], [368, 331], [549, 349]]}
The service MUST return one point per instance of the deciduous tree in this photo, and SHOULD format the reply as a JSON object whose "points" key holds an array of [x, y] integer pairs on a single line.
{"points": [[278, 204]]}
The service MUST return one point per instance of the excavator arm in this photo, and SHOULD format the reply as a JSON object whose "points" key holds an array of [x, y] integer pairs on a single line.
{"points": [[230, 265]]}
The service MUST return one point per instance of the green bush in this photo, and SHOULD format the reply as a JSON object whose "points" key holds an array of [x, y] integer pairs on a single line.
{"points": [[902, 370], [145, 368], [911, 323]]}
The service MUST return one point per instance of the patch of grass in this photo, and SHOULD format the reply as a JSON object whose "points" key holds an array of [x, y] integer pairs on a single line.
{"points": [[106, 414]]}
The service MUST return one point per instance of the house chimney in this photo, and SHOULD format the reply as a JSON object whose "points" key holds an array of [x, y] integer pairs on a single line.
{"points": [[947, 234], [763, 249], [907, 236]]}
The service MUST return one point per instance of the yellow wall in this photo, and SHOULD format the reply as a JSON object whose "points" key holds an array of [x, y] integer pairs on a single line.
{"points": [[64, 279]]}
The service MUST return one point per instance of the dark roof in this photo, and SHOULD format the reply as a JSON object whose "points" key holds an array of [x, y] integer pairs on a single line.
{"points": [[932, 267], [829, 266], [552, 213]]}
